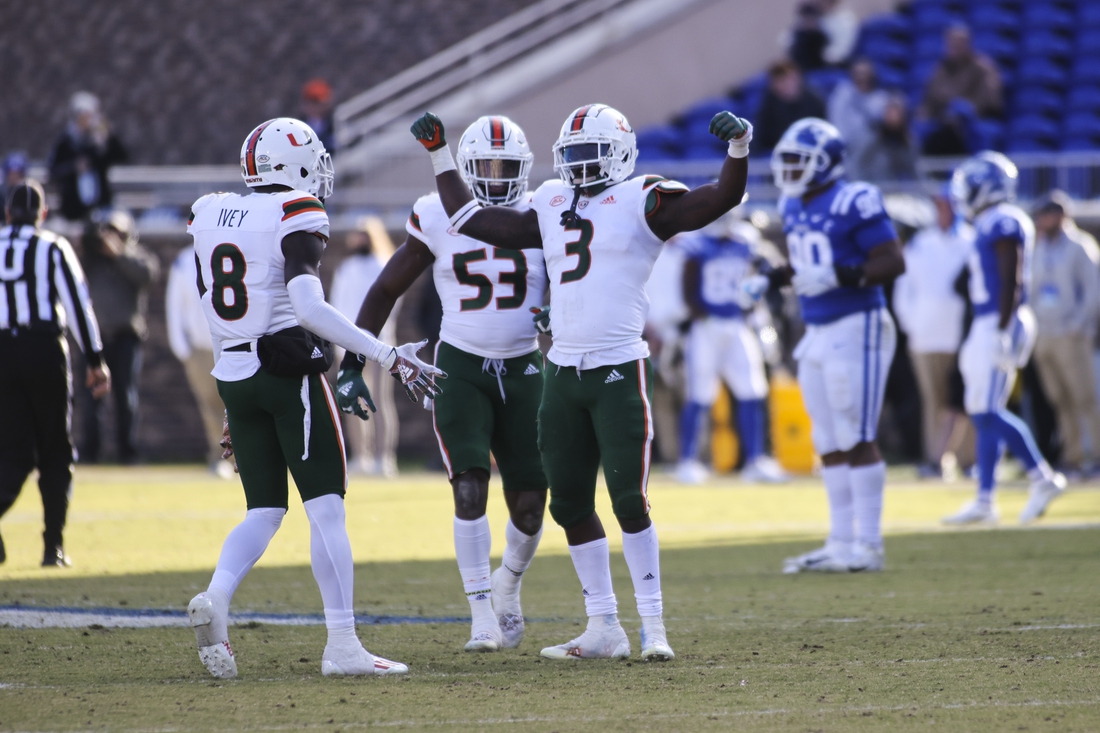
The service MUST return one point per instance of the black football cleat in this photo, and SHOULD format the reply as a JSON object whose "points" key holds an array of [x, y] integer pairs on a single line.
{"points": [[55, 557]]}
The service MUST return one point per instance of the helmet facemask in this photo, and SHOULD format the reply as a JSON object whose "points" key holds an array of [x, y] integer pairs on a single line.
{"points": [[498, 180], [793, 169], [582, 165]]}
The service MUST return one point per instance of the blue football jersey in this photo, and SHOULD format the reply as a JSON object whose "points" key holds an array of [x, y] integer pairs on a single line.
{"points": [[837, 227], [723, 264], [1002, 221]]}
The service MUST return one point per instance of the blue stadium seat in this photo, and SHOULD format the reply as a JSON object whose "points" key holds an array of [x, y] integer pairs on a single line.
{"points": [[1041, 71], [920, 71], [1082, 125], [823, 81], [1001, 48], [885, 50], [988, 134], [1047, 43], [1079, 143], [928, 46], [991, 17], [1037, 100], [1033, 127], [705, 109], [660, 142], [1083, 99], [1029, 145], [891, 77], [891, 25], [1088, 16], [1086, 71], [1047, 15], [933, 18], [1088, 40]]}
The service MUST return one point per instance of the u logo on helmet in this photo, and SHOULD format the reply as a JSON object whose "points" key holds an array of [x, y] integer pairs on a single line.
{"points": [[297, 144]]}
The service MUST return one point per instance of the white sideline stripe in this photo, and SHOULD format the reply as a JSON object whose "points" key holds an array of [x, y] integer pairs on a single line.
{"points": [[31, 618]]}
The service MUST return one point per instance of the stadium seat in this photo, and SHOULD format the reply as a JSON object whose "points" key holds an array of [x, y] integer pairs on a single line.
{"points": [[1088, 41], [892, 25], [929, 18], [1086, 71], [928, 46], [1029, 145], [920, 71], [891, 77], [1082, 125], [659, 143], [1037, 100], [885, 50], [1083, 99], [1033, 127], [988, 134], [1079, 143], [1047, 15], [1001, 48], [1088, 16], [1047, 43], [991, 17], [823, 81], [705, 109], [1041, 71]]}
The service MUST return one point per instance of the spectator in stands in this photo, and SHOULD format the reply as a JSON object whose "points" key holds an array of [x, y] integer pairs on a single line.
{"points": [[1065, 295], [891, 154], [373, 442], [786, 101], [856, 107], [317, 111], [930, 311], [82, 158], [189, 339], [119, 272], [14, 172], [964, 86]]}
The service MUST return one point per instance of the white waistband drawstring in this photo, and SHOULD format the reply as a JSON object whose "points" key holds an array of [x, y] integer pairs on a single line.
{"points": [[307, 418], [496, 368]]}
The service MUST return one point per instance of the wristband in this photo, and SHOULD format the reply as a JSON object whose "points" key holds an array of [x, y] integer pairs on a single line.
{"points": [[352, 361], [739, 147], [463, 215], [442, 160], [389, 360]]}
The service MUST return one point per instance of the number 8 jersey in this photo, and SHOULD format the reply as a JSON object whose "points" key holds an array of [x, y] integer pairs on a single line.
{"points": [[487, 293], [238, 243], [837, 227]]}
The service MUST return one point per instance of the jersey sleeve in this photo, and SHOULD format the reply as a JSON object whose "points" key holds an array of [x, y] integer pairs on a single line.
{"points": [[871, 225], [303, 213], [1007, 227], [196, 208], [656, 188], [422, 217]]}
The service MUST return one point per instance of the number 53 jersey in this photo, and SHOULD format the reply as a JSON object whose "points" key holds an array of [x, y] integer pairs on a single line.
{"points": [[838, 227], [487, 292], [238, 243]]}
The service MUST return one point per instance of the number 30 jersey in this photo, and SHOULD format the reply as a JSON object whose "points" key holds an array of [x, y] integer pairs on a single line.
{"points": [[487, 292], [837, 227], [238, 243], [598, 268]]}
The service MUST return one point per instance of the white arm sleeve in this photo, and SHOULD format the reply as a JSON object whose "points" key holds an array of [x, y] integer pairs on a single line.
{"points": [[307, 297]]}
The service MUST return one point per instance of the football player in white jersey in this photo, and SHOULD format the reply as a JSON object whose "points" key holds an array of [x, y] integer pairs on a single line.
{"points": [[600, 232], [257, 258], [488, 348]]}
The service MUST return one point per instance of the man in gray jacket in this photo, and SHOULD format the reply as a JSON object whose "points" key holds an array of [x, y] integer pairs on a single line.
{"points": [[1065, 295]]}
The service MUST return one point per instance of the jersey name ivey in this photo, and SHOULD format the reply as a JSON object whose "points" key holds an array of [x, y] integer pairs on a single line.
{"points": [[229, 218]]}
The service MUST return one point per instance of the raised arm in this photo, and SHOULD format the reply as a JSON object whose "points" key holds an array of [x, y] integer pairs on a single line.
{"points": [[499, 226], [671, 213]]}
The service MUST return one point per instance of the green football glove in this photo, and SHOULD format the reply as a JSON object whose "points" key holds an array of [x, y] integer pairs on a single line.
{"points": [[542, 320], [352, 395], [726, 126], [429, 131]]}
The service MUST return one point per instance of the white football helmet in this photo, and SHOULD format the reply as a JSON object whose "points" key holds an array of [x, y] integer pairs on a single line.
{"points": [[287, 152], [494, 160], [810, 155], [596, 145]]}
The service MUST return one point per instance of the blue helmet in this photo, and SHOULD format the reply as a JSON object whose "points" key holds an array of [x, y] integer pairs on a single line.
{"points": [[809, 155], [987, 178]]}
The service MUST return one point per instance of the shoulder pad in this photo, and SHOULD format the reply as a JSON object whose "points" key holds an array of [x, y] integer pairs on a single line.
{"points": [[302, 205], [663, 185]]}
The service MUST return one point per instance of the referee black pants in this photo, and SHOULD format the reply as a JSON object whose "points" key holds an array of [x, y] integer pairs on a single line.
{"points": [[35, 421]]}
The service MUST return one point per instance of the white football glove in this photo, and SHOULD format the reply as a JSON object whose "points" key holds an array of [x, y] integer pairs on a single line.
{"points": [[814, 280], [416, 376], [752, 290]]}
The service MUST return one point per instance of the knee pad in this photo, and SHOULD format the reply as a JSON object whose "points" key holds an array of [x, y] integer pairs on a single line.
{"points": [[271, 516]]}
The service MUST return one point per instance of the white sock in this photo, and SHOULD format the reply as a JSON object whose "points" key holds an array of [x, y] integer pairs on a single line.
{"points": [[592, 561], [841, 510], [1043, 471], [473, 541], [868, 483], [643, 557], [333, 567], [243, 547], [519, 550]]}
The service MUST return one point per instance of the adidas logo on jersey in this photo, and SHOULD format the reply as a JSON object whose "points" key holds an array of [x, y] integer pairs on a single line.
{"points": [[614, 376], [531, 369], [609, 200], [316, 354]]}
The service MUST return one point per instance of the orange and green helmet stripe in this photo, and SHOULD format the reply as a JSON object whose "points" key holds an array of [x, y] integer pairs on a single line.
{"points": [[306, 205], [250, 149], [578, 118], [415, 221], [496, 132]]}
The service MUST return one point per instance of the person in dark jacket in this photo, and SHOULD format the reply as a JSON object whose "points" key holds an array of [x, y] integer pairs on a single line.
{"points": [[786, 101], [82, 157]]}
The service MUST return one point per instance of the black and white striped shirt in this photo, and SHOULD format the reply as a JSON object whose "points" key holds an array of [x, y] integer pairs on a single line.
{"points": [[41, 282]]}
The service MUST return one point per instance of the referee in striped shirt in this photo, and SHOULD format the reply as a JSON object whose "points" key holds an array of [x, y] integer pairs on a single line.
{"points": [[42, 290]]}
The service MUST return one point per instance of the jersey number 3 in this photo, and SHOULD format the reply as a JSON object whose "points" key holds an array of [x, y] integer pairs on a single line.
{"points": [[517, 278], [581, 248], [228, 294]]}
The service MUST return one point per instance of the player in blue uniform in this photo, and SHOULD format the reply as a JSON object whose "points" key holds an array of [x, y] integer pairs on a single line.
{"points": [[1002, 334], [843, 247], [722, 346]]}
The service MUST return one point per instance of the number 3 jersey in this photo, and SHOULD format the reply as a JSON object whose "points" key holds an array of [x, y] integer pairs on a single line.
{"points": [[238, 243], [598, 267], [487, 293], [837, 227]]}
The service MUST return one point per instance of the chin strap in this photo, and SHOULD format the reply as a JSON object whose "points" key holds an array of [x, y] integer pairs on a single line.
{"points": [[571, 216]]}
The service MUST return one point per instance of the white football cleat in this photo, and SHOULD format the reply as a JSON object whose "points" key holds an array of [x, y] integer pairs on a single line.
{"points": [[832, 558], [691, 472], [350, 660], [485, 640], [506, 607], [210, 631], [974, 512], [764, 470], [603, 639], [866, 559], [1042, 493], [655, 646]]}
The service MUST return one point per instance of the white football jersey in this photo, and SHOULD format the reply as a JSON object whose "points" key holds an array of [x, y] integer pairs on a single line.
{"points": [[487, 292], [598, 269], [238, 242]]}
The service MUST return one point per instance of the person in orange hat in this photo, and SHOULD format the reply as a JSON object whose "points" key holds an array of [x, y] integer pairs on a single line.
{"points": [[317, 111]]}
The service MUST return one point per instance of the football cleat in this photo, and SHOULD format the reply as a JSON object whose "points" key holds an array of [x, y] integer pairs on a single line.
{"points": [[506, 607], [655, 646], [832, 558], [348, 660], [486, 640], [974, 512], [866, 559], [55, 557], [764, 470], [209, 625], [691, 472], [1042, 493], [603, 639]]}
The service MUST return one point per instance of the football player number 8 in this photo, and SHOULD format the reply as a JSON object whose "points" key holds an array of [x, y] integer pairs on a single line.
{"points": [[228, 294], [809, 248]]}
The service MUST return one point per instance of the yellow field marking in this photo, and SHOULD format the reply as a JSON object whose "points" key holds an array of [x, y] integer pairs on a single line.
{"points": [[174, 518]]}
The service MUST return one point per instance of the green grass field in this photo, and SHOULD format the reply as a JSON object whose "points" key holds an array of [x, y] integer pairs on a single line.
{"points": [[965, 631]]}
